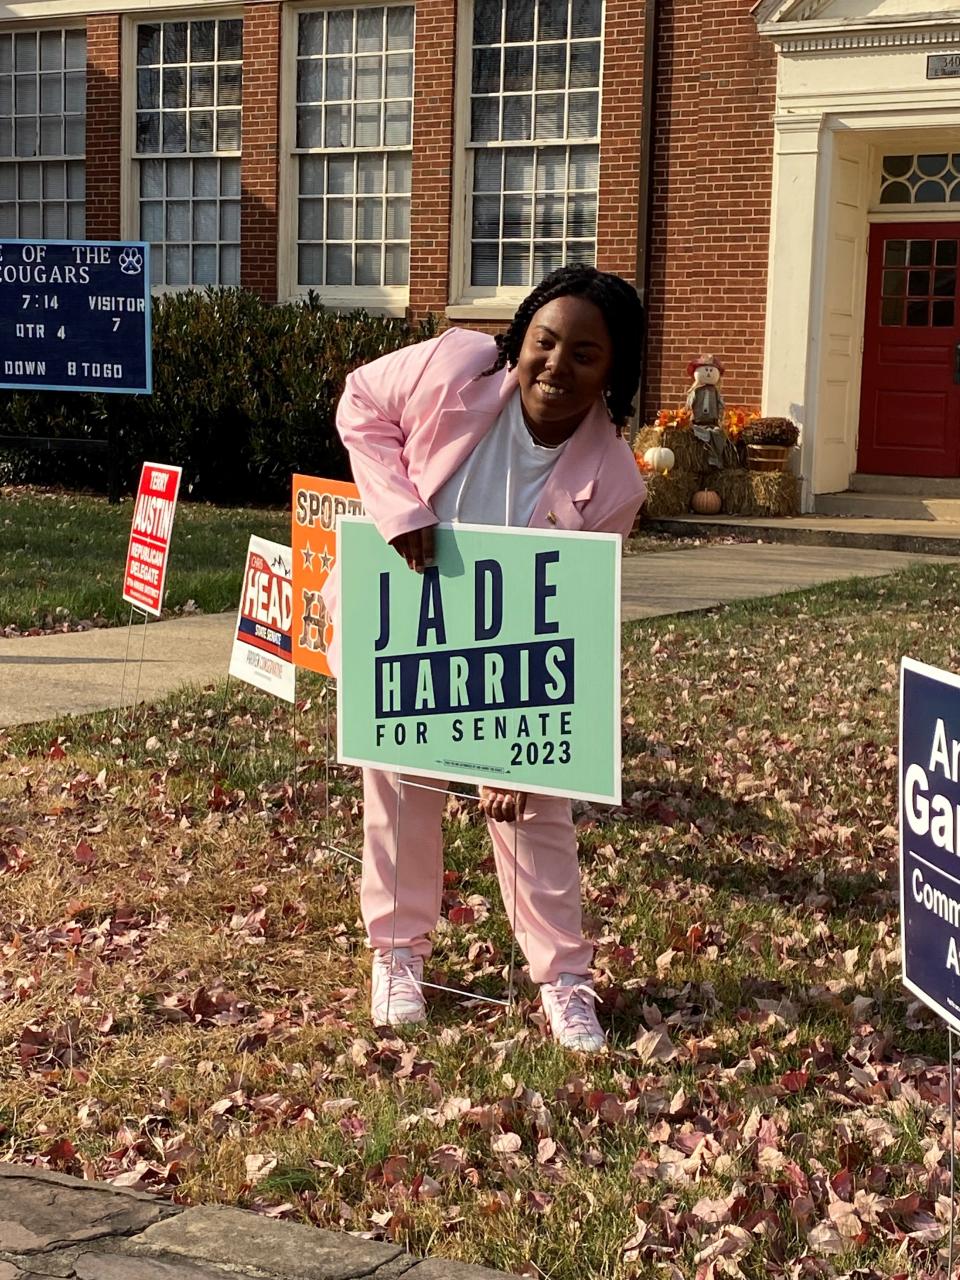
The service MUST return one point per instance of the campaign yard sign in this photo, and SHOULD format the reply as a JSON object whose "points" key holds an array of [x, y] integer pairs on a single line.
{"points": [[499, 664], [316, 505], [150, 530], [930, 836], [262, 646], [75, 316]]}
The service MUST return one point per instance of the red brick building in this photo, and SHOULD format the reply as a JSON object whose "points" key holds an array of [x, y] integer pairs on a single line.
{"points": [[443, 155]]}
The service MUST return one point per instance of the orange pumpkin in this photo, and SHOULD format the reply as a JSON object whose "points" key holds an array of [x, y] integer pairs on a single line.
{"points": [[706, 502]]}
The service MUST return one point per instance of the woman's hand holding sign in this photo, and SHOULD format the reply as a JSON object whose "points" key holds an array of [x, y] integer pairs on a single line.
{"points": [[416, 547], [503, 806]]}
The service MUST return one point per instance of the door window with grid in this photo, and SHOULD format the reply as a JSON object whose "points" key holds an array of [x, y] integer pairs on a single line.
{"points": [[189, 93], [43, 102], [354, 130], [533, 138]]}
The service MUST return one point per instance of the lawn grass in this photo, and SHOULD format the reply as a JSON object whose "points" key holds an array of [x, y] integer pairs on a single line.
{"points": [[62, 556], [183, 980]]}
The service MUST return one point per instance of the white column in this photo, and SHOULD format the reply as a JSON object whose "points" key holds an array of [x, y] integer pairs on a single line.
{"points": [[790, 280]]}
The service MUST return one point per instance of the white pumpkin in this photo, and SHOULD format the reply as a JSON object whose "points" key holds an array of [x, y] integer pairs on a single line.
{"points": [[660, 458]]}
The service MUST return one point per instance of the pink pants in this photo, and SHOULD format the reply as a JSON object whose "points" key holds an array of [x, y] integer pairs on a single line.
{"points": [[548, 916]]}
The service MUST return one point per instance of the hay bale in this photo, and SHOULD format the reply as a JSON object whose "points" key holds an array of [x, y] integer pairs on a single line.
{"points": [[758, 493], [774, 493], [670, 495], [689, 454]]}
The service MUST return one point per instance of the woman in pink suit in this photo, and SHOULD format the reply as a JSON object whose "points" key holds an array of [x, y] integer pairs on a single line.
{"points": [[520, 430]]}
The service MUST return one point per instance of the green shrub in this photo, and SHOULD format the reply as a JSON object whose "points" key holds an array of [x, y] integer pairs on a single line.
{"points": [[244, 395]]}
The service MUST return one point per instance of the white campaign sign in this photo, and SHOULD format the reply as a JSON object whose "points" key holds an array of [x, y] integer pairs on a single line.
{"points": [[262, 645]]}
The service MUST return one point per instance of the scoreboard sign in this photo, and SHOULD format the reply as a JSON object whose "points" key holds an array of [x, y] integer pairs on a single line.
{"points": [[75, 316]]}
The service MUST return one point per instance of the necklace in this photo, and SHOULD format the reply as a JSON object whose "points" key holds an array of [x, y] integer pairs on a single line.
{"points": [[536, 439]]}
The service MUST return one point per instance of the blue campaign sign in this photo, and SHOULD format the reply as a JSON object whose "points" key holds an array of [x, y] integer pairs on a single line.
{"points": [[75, 316], [930, 836]]}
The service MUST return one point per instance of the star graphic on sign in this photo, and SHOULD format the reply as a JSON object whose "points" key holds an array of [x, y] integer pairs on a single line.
{"points": [[308, 556], [326, 560]]}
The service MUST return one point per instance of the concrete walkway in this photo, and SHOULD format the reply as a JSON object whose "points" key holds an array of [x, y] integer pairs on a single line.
{"points": [[54, 1225], [42, 677]]}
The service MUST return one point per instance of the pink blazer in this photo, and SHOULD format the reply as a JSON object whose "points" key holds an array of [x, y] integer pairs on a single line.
{"points": [[410, 418]]}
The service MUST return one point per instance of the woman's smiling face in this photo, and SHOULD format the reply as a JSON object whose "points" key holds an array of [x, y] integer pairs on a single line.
{"points": [[564, 366]]}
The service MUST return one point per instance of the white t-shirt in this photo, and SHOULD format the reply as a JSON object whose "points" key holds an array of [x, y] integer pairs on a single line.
{"points": [[501, 480]]}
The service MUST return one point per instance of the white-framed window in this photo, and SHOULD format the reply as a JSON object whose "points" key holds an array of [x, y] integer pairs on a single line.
{"points": [[352, 152], [43, 106], [532, 142], [189, 93]]}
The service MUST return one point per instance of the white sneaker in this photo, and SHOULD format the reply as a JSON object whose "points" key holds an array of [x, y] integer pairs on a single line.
{"points": [[569, 1004], [395, 988]]}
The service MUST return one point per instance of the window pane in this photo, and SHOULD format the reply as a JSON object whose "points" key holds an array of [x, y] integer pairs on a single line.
{"points": [[339, 219], [310, 82], [369, 220], [311, 175], [339, 266], [6, 53], [230, 221], [585, 18], [25, 51], [484, 119], [148, 131], [174, 131], [201, 87], [552, 66], [230, 266], [339, 79], [369, 30], [396, 264], [310, 270], [552, 19], [370, 173], [369, 79], [230, 177], [340, 175], [398, 173], [148, 44], [175, 87], [487, 170], [75, 50], [516, 117], [230, 40], [311, 219], [340, 31], [228, 86], [366, 125], [398, 219], [518, 68], [368, 264], [400, 28], [201, 131], [178, 264], [174, 42], [151, 220], [228, 131], [51, 50], [178, 178], [202, 41], [148, 89], [584, 65], [51, 137], [337, 126], [487, 21], [400, 75], [519, 25], [205, 220], [311, 33], [397, 126], [205, 258], [206, 179]]}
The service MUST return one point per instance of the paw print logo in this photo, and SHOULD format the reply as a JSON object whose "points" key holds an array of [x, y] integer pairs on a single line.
{"points": [[131, 262]]}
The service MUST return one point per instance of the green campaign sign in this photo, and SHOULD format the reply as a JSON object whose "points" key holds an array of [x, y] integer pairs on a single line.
{"points": [[499, 664]]}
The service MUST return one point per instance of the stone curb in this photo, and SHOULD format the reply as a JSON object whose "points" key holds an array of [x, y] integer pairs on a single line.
{"points": [[53, 1225]]}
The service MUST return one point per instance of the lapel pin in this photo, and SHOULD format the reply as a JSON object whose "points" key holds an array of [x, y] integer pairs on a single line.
{"points": [[551, 517]]}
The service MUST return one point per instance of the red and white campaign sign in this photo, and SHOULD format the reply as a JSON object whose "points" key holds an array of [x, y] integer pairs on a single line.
{"points": [[150, 532], [262, 644]]}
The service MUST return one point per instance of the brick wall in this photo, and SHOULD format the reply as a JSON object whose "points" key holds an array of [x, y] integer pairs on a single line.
{"points": [[259, 166], [432, 201], [710, 220], [621, 130], [103, 127]]}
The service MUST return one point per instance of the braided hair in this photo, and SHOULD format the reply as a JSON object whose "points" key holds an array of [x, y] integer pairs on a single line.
{"points": [[621, 309]]}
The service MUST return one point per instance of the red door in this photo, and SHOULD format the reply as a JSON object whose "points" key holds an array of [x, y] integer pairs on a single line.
{"points": [[910, 389]]}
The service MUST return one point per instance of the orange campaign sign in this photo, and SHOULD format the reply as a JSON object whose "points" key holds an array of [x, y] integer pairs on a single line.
{"points": [[316, 505], [150, 531]]}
